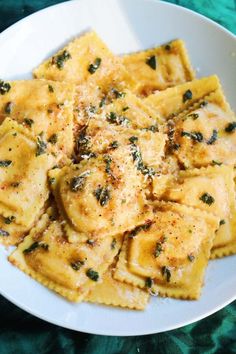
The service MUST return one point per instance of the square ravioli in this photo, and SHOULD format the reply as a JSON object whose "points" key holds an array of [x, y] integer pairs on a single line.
{"points": [[169, 257], [69, 269], [211, 189], [113, 292], [42, 106], [24, 163], [102, 196], [205, 134], [175, 100], [146, 145], [160, 67]]}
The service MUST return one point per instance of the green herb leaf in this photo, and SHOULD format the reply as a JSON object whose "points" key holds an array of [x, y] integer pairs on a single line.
{"points": [[117, 93], [29, 122], [166, 273], [114, 145], [113, 244], [213, 138], [77, 265], [207, 199], [195, 136], [92, 274], [230, 128], [158, 249], [60, 59], [5, 163], [113, 118], [214, 162], [8, 220], [102, 195], [140, 228], [53, 139], [148, 283], [108, 160], [187, 96], [8, 107], [167, 47], [41, 146], [93, 67], [222, 222], [77, 183], [50, 88], [4, 87], [191, 257], [151, 61], [194, 116], [31, 248], [52, 180]]}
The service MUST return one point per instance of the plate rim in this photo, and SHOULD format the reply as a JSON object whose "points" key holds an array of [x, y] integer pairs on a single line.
{"points": [[56, 322]]}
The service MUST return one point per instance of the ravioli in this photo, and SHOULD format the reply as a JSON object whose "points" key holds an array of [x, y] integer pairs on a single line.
{"points": [[210, 189], [24, 163], [206, 134], [171, 256], [101, 196], [69, 269], [175, 100], [88, 63], [115, 293], [102, 137], [160, 67], [42, 106]]}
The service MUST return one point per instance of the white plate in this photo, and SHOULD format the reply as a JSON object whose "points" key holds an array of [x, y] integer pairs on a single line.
{"points": [[125, 25]]}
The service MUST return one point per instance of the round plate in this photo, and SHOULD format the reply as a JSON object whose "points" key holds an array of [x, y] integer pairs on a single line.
{"points": [[126, 26]]}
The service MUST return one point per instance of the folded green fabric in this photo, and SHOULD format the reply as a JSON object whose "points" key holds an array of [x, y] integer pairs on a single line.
{"points": [[22, 333]]}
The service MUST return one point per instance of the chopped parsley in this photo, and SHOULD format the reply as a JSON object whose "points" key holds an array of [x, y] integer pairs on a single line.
{"points": [[102, 102], [77, 265], [60, 59], [203, 104], [125, 108], [92, 274], [4, 87], [15, 184], [166, 273], [108, 160], [117, 93], [50, 88], [140, 228], [4, 233], [5, 163], [167, 47], [137, 158], [52, 180], [158, 249], [152, 128], [53, 139], [113, 244], [213, 138], [222, 222], [8, 107], [191, 257], [114, 145], [151, 61], [93, 67], [77, 183], [207, 199], [214, 162], [194, 116], [148, 282], [8, 220], [231, 127], [29, 122], [41, 146], [187, 96], [34, 246], [195, 136], [102, 195], [114, 118]]}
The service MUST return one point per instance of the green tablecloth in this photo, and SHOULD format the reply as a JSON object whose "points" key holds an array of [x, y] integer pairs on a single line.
{"points": [[23, 333]]}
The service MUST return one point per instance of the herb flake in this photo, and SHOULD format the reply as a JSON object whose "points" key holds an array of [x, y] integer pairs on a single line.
{"points": [[207, 199], [92, 274], [5, 163], [187, 96], [93, 67], [151, 61]]}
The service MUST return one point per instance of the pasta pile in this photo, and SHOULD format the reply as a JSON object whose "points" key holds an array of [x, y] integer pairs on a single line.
{"points": [[117, 174]]}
